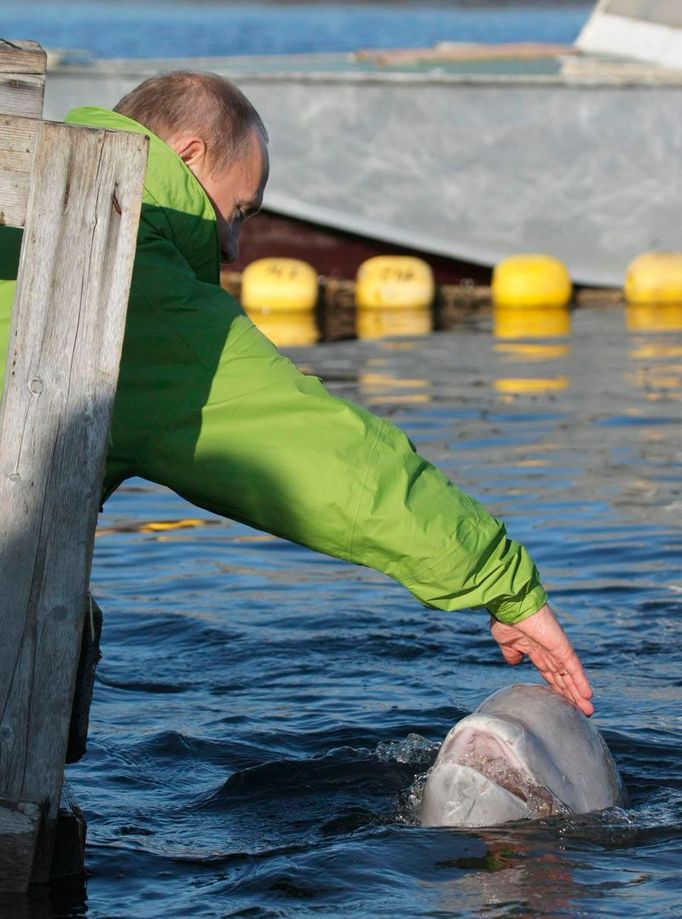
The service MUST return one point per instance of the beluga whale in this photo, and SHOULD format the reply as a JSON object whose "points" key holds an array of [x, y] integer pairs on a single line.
{"points": [[525, 753]]}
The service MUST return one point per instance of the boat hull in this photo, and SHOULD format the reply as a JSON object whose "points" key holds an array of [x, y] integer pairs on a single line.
{"points": [[468, 167]]}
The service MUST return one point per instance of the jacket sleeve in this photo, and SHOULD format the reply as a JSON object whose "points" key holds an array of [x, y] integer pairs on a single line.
{"points": [[257, 441]]}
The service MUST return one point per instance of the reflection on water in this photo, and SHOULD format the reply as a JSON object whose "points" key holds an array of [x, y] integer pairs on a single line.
{"points": [[519, 875], [657, 371], [656, 317], [262, 713], [659, 381], [531, 322], [532, 352], [519, 385], [156, 526], [523, 325], [381, 388]]}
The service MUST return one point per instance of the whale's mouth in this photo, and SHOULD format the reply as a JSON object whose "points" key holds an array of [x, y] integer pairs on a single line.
{"points": [[497, 760]]}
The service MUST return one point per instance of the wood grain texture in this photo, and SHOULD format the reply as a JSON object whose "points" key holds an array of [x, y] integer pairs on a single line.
{"points": [[19, 828], [17, 148], [68, 857], [21, 95], [22, 78], [65, 341], [20, 56]]}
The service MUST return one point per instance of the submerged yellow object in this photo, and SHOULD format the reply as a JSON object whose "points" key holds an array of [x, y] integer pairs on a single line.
{"points": [[280, 296], [531, 281], [394, 295], [654, 277]]}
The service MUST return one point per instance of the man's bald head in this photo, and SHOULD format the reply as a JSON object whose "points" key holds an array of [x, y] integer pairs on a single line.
{"points": [[204, 104], [218, 135]]}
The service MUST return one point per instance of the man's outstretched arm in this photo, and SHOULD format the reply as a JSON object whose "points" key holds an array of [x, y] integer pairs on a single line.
{"points": [[253, 439]]}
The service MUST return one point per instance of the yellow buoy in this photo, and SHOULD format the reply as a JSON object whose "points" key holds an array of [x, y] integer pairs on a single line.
{"points": [[280, 296], [655, 277], [394, 296], [527, 281]]}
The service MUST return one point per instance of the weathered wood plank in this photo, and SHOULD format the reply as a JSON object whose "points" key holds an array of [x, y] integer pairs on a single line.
{"points": [[21, 56], [18, 134], [22, 78], [22, 94], [17, 148], [19, 827], [68, 857], [62, 367], [85, 681]]}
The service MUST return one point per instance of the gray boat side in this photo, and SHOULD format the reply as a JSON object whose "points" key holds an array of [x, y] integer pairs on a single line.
{"points": [[647, 30], [580, 161]]}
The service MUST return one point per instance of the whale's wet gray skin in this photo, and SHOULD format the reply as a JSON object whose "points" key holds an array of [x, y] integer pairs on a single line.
{"points": [[524, 753]]}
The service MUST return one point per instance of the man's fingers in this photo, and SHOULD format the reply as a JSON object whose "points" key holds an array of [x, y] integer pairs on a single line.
{"points": [[544, 629], [574, 696], [563, 684], [570, 669], [578, 696], [570, 683], [585, 707], [582, 684], [567, 660], [574, 688], [541, 637]]}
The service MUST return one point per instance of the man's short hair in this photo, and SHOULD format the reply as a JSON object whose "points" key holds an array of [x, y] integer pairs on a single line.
{"points": [[205, 103]]}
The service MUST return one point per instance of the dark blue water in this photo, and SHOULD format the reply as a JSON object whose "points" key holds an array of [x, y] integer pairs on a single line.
{"points": [[263, 715]]}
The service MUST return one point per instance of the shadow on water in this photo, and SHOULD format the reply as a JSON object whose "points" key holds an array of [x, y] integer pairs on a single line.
{"points": [[63, 900]]}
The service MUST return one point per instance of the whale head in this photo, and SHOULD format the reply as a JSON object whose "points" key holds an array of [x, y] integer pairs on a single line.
{"points": [[525, 753]]}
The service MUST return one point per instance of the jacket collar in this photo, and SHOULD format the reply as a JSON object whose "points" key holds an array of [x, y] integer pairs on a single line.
{"points": [[171, 194]]}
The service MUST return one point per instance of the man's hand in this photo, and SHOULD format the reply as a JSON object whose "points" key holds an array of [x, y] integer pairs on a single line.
{"points": [[545, 642]]}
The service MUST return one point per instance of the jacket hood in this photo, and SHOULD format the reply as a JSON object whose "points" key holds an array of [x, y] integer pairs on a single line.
{"points": [[174, 203]]}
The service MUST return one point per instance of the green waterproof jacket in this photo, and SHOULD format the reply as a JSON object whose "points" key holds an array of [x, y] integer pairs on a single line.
{"points": [[207, 406]]}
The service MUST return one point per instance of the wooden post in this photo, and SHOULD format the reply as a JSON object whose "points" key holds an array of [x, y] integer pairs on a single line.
{"points": [[22, 78], [82, 207]]}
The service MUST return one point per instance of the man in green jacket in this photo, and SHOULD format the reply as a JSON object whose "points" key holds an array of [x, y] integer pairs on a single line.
{"points": [[207, 406]]}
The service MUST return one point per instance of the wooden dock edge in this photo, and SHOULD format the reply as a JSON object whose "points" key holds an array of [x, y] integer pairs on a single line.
{"points": [[76, 192]]}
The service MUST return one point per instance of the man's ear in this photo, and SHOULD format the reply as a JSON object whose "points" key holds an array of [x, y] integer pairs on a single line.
{"points": [[191, 150]]}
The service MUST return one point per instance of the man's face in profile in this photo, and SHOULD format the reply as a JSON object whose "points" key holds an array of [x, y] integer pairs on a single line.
{"points": [[236, 191]]}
